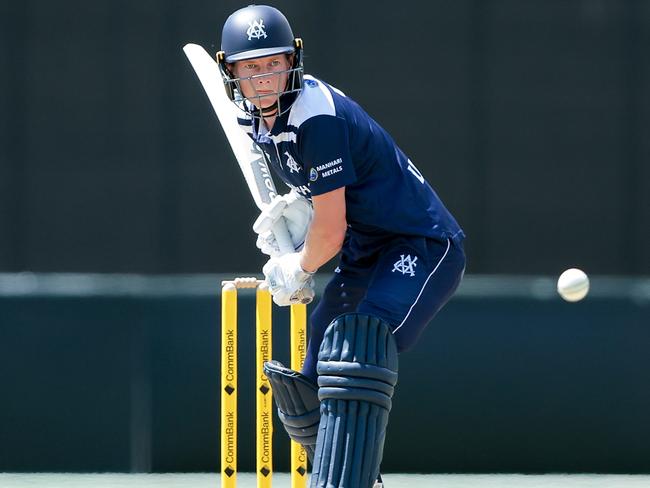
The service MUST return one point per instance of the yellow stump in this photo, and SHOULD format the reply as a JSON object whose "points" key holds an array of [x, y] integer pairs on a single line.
{"points": [[229, 386], [264, 399], [298, 352]]}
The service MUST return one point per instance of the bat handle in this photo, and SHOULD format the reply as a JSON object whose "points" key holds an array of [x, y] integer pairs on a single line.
{"points": [[281, 234]]}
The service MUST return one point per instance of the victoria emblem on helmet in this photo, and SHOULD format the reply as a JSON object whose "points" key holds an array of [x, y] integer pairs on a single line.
{"points": [[256, 30]]}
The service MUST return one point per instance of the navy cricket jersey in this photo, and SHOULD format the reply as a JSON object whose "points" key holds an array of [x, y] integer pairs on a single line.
{"points": [[327, 141]]}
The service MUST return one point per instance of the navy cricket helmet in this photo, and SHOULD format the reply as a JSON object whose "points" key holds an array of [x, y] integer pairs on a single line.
{"points": [[258, 31]]}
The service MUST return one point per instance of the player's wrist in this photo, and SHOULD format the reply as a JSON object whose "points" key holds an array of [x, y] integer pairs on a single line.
{"points": [[305, 267]]}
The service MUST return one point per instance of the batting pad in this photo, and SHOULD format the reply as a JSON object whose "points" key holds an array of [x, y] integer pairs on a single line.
{"points": [[357, 373], [296, 397]]}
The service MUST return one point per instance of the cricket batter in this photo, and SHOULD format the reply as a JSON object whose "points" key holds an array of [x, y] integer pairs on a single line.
{"points": [[354, 193]]}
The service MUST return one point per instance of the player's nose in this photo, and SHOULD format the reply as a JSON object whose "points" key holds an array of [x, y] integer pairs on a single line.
{"points": [[265, 79]]}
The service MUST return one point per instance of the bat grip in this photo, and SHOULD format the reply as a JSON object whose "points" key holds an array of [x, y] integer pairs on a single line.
{"points": [[282, 236]]}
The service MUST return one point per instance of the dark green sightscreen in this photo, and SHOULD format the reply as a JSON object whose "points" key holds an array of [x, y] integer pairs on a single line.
{"points": [[531, 119]]}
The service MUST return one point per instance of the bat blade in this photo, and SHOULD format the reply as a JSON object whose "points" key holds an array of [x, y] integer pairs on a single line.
{"points": [[249, 156]]}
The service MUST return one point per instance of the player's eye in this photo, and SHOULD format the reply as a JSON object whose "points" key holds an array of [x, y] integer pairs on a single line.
{"points": [[249, 66], [275, 63]]}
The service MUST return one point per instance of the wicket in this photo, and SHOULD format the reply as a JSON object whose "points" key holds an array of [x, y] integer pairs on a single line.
{"points": [[263, 395]]}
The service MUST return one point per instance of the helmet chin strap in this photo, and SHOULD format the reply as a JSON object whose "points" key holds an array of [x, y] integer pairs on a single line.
{"points": [[272, 110]]}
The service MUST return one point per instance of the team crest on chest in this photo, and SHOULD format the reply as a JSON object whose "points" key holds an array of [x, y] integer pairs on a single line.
{"points": [[291, 164], [405, 265], [256, 30]]}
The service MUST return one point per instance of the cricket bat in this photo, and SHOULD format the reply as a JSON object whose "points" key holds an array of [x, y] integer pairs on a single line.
{"points": [[248, 154]]}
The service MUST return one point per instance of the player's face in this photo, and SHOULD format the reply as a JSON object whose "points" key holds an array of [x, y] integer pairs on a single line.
{"points": [[263, 78]]}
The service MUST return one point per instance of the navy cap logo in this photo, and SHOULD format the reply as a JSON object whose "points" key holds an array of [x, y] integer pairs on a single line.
{"points": [[256, 30]]}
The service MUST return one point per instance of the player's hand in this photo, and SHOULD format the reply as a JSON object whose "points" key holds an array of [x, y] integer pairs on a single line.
{"points": [[289, 284], [297, 213]]}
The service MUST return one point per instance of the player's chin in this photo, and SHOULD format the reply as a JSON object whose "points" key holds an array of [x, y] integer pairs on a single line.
{"points": [[265, 101]]}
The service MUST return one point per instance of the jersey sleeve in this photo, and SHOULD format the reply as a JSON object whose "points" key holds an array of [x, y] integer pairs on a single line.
{"points": [[325, 152]]}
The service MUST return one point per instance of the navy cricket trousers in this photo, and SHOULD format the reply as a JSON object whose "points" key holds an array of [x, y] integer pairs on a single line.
{"points": [[404, 280]]}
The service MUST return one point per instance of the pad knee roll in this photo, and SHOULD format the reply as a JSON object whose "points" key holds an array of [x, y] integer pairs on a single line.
{"points": [[357, 373]]}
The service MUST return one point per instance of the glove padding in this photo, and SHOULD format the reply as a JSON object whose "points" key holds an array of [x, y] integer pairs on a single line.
{"points": [[289, 284], [297, 213]]}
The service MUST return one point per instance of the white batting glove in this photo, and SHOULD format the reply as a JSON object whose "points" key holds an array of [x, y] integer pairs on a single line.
{"points": [[288, 282], [297, 213]]}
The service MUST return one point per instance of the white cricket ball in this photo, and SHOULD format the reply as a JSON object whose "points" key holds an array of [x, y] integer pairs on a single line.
{"points": [[573, 285]]}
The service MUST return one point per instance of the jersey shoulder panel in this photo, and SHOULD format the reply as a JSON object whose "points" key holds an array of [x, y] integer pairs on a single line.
{"points": [[315, 99]]}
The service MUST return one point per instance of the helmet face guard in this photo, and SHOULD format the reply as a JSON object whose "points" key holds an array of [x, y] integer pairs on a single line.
{"points": [[284, 96], [253, 32]]}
